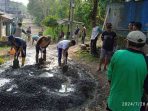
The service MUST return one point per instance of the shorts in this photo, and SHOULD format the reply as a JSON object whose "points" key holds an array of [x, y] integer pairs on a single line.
{"points": [[105, 54]]}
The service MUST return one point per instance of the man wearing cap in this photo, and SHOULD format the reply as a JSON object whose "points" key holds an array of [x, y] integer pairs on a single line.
{"points": [[126, 74], [20, 47]]}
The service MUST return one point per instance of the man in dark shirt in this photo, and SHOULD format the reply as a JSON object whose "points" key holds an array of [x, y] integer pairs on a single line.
{"points": [[109, 41], [20, 47]]}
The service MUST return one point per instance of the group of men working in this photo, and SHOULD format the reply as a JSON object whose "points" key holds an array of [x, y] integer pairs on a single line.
{"points": [[127, 71], [42, 43]]}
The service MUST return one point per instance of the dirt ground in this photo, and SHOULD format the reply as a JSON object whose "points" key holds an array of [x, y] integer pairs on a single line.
{"points": [[81, 89], [45, 87], [28, 88], [99, 103]]}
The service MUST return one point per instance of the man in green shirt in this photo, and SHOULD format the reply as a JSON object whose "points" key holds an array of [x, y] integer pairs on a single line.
{"points": [[126, 74]]}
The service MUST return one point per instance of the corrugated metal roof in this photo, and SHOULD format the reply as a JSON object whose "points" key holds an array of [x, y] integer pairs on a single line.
{"points": [[7, 16], [66, 21], [121, 14]]}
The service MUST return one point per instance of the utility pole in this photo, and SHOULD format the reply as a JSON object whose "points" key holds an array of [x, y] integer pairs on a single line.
{"points": [[72, 18], [5, 5], [68, 33]]}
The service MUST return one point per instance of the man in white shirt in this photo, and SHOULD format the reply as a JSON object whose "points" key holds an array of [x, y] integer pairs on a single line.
{"points": [[63, 47], [94, 37]]}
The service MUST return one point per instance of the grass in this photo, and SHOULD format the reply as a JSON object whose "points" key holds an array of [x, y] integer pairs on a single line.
{"points": [[86, 56], [3, 39], [3, 54], [4, 58], [1, 60], [4, 48]]}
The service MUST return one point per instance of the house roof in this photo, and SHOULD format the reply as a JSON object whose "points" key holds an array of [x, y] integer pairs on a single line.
{"points": [[66, 21], [5, 16]]}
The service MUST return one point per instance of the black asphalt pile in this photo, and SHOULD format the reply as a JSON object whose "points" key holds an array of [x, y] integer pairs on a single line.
{"points": [[37, 89]]}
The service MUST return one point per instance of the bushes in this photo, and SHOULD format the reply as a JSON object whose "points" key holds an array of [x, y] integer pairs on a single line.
{"points": [[3, 39], [1, 61], [49, 31]]}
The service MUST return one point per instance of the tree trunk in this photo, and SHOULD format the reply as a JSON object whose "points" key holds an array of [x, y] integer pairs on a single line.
{"points": [[94, 12]]}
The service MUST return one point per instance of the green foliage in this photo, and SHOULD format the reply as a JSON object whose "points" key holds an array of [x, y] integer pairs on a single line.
{"points": [[50, 21], [49, 31], [102, 10], [1, 61], [35, 10], [83, 13], [48, 11], [86, 56], [4, 48]]}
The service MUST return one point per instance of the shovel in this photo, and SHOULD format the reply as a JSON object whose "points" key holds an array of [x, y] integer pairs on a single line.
{"points": [[15, 64], [65, 66]]}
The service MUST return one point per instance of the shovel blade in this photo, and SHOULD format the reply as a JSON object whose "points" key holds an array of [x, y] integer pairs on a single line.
{"points": [[65, 68], [15, 64]]}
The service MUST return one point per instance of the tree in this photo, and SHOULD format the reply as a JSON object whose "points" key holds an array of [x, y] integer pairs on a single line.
{"points": [[35, 10], [94, 12], [50, 21], [82, 13]]}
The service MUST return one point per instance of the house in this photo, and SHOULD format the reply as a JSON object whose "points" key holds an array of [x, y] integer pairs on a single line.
{"points": [[5, 24], [120, 14]]}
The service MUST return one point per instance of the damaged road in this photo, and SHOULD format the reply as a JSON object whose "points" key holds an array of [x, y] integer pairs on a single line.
{"points": [[46, 87]]}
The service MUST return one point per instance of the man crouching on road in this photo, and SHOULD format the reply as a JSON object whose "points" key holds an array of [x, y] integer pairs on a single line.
{"points": [[63, 47], [41, 45], [19, 45]]}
